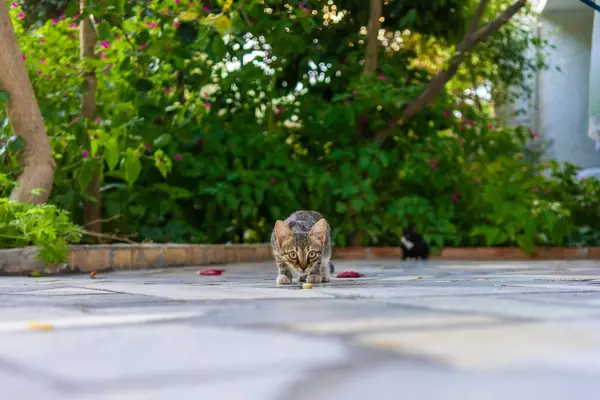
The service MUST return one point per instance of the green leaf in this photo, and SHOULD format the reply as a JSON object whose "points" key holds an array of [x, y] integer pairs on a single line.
{"points": [[3, 98], [72, 8], [103, 30], [526, 243], [142, 37], [126, 64], [143, 85], [163, 140], [340, 207], [131, 166], [111, 153], [186, 34], [218, 47], [86, 173], [491, 235], [162, 162], [357, 204]]}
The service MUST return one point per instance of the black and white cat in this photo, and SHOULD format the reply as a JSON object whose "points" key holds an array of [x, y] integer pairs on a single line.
{"points": [[413, 244]]}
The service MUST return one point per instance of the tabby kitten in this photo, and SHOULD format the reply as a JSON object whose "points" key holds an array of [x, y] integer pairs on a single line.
{"points": [[302, 243]]}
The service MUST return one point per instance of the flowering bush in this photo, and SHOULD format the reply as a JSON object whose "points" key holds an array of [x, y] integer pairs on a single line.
{"points": [[214, 119]]}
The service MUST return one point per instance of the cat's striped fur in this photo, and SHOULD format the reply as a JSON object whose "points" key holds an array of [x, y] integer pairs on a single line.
{"points": [[302, 243]]}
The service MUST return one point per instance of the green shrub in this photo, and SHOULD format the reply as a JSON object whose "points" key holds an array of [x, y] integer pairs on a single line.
{"points": [[192, 151], [39, 225]]}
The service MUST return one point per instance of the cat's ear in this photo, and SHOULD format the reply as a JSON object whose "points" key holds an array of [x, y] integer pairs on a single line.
{"points": [[282, 232], [319, 231]]}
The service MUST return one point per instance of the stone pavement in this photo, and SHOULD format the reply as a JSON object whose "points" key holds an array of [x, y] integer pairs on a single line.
{"points": [[512, 330]]}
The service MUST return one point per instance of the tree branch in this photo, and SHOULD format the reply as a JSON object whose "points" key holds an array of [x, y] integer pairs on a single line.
{"points": [[437, 83]]}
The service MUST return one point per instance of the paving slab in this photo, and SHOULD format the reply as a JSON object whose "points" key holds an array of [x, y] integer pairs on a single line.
{"points": [[426, 330]]}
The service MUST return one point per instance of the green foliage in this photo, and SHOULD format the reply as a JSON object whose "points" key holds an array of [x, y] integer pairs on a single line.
{"points": [[39, 225], [217, 118]]}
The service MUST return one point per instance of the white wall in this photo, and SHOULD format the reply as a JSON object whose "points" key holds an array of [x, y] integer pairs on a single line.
{"points": [[563, 96]]}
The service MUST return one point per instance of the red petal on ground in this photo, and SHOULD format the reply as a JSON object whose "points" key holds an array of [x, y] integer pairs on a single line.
{"points": [[349, 274], [210, 271]]}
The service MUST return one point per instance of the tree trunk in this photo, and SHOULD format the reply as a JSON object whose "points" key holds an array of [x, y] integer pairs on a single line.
{"points": [[92, 210], [35, 183], [376, 9]]}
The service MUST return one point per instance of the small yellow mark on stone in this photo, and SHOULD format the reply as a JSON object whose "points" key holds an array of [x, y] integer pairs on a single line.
{"points": [[40, 326], [307, 286]]}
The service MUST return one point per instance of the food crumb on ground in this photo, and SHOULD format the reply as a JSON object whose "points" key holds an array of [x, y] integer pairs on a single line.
{"points": [[40, 326], [307, 286]]}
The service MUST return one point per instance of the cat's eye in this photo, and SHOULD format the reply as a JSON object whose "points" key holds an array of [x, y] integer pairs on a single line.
{"points": [[312, 254], [293, 255]]}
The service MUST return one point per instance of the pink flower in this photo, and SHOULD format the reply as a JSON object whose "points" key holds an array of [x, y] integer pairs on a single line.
{"points": [[535, 189], [104, 44], [54, 21], [447, 113], [382, 76], [101, 54], [177, 1], [62, 16], [75, 16], [535, 135], [148, 23], [73, 25], [306, 10], [96, 20], [143, 46], [23, 57], [168, 89], [21, 16], [148, 147], [490, 127], [458, 192], [153, 25], [176, 24], [206, 8], [14, 5], [42, 61], [191, 3], [355, 92], [471, 122], [42, 40], [434, 163], [207, 105], [85, 154], [39, 72], [301, 4], [178, 157], [98, 119], [454, 199], [75, 119], [348, 99], [273, 180], [364, 119], [278, 110]]}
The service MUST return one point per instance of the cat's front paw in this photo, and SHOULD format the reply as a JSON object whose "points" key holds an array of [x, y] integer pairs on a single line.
{"points": [[314, 279], [284, 280]]}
